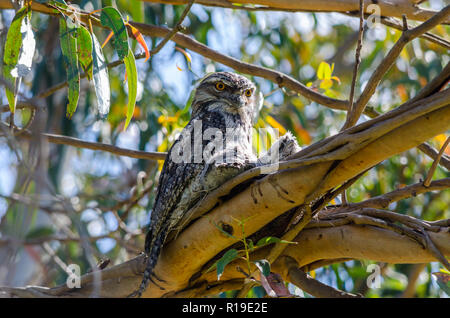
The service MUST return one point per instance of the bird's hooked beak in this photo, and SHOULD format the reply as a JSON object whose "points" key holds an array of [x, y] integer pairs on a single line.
{"points": [[238, 100]]}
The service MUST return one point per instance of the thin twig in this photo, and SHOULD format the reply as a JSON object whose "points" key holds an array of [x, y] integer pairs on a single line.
{"points": [[434, 250], [174, 31], [352, 110], [413, 276], [384, 200], [75, 142], [435, 163], [394, 23], [390, 58]]}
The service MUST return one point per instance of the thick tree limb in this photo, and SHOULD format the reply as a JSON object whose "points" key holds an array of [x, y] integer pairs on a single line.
{"points": [[315, 244], [269, 197], [392, 8], [306, 283], [310, 174]]}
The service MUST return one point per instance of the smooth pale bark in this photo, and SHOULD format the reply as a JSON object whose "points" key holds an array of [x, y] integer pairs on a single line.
{"points": [[401, 139], [346, 241], [274, 194]]}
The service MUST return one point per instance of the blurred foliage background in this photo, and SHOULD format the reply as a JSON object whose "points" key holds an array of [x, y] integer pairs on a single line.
{"points": [[61, 205]]}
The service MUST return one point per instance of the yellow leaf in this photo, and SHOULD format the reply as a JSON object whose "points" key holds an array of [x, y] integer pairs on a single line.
{"points": [[326, 84], [303, 134], [275, 124], [186, 54], [401, 91], [138, 36], [297, 102], [324, 71], [336, 79]]}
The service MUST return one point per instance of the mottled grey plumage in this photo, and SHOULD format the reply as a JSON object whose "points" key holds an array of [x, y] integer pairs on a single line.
{"points": [[223, 102]]}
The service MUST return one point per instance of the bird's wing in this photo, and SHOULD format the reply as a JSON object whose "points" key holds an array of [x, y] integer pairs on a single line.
{"points": [[174, 179]]}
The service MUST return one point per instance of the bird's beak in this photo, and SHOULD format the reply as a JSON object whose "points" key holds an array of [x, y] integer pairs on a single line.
{"points": [[238, 100]]}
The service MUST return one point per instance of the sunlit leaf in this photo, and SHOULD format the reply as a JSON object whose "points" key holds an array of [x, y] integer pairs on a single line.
{"points": [[336, 79], [228, 257], [263, 266], [112, 19], [326, 84], [275, 124], [101, 78], [84, 46], [303, 134], [68, 39], [270, 240], [137, 10], [324, 71], [23, 66], [186, 55], [402, 93], [130, 65], [11, 55], [138, 36]]}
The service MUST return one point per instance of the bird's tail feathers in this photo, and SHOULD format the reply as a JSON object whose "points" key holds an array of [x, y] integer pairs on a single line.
{"points": [[152, 249]]}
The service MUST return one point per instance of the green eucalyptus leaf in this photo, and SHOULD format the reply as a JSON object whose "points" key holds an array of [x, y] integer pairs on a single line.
{"points": [[68, 39], [263, 266], [130, 66], [101, 78], [84, 46], [228, 257], [11, 56], [270, 240], [27, 49], [112, 19]]}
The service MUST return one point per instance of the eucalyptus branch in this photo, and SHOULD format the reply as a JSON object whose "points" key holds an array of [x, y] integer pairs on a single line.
{"points": [[414, 228], [332, 148], [394, 23], [176, 28], [75, 142], [352, 110], [406, 37], [384, 200], [310, 285], [435, 163]]}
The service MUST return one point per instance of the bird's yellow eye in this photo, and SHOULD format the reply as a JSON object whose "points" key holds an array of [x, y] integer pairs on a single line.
{"points": [[248, 92], [220, 86]]}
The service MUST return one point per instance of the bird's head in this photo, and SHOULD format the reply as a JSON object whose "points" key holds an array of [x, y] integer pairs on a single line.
{"points": [[231, 92]]}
